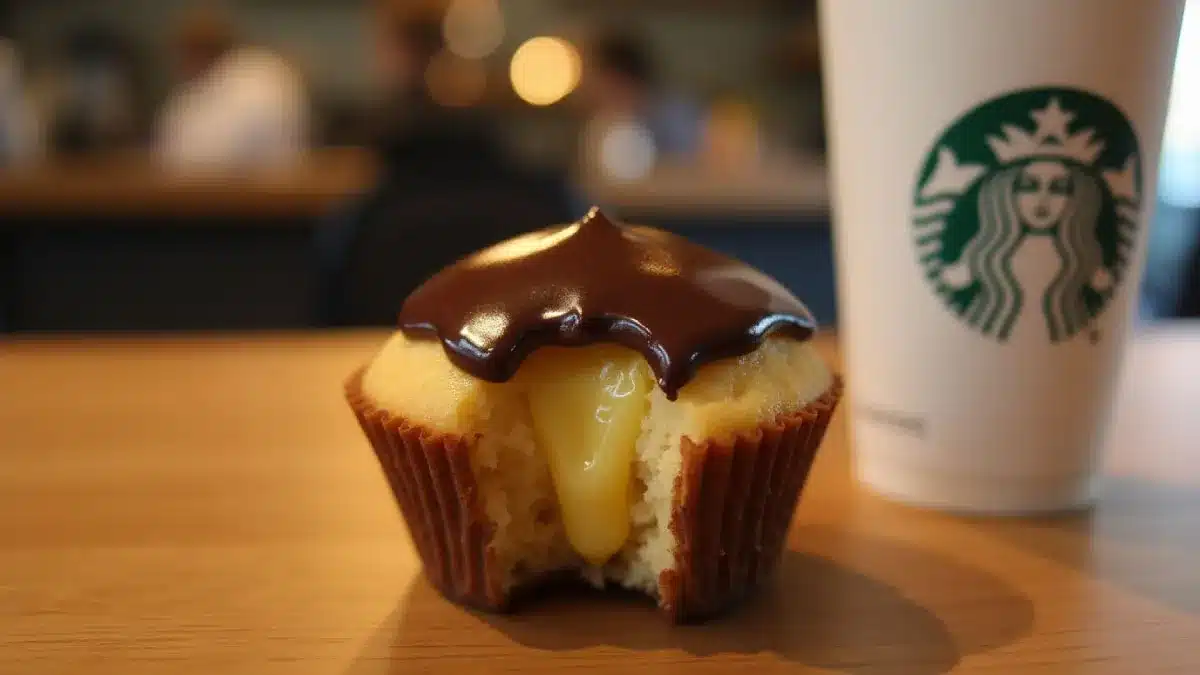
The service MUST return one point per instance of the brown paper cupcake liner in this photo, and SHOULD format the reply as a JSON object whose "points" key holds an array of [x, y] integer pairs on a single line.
{"points": [[734, 502], [733, 506], [431, 478]]}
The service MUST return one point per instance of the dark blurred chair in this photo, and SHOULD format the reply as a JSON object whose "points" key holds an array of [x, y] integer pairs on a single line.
{"points": [[418, 230], [447, 189]]}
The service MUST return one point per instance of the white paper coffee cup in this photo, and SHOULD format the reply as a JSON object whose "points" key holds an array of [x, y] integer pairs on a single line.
{"points": [[993, 164]]}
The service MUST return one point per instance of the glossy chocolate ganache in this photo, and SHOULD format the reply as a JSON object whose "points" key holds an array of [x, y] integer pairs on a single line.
{"points": [[677, 303]]}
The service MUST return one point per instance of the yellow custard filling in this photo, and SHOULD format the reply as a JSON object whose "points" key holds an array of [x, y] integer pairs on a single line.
{"points": [[577, 426], [587, 406]]}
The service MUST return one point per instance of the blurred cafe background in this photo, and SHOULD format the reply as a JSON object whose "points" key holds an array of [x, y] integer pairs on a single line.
{"points": [[278, 164]]}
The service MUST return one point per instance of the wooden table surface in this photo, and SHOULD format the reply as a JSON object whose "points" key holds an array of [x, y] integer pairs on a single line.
{"points": [[206, 505]]}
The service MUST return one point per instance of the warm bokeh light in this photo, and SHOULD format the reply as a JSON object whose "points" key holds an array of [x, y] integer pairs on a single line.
{"points": [[473, 28], [455, 82], [545, 69], [627, 152], [732, 134]]}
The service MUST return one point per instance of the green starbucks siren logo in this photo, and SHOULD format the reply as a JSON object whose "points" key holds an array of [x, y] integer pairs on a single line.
{"points": [[1026, 211]]}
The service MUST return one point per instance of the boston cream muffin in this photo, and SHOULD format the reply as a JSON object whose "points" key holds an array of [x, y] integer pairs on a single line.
{"points": [[602, 400]]}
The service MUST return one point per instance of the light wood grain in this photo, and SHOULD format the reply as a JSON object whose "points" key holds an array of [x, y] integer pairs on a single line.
{"points": [[206, 505]]}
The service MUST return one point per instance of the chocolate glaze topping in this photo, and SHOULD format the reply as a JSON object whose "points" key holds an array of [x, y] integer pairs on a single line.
{"points": [[677, 303]]}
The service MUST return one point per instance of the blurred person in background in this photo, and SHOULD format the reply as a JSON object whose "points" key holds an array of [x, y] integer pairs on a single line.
{"points": [[235, 105], [91, 92], [20, 132], [447, 185], [622, 90]]}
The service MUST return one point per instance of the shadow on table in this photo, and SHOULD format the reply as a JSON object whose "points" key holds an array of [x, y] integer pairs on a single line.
{"points": [[1141, 536], [816, 611]]}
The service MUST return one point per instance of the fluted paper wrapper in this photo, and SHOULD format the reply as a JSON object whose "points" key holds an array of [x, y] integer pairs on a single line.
{"points": [[734, 502], [432, 481]]}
